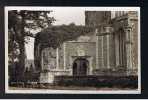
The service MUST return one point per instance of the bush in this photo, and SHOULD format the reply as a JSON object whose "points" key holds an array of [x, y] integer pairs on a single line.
{"points": [[98, 81]]}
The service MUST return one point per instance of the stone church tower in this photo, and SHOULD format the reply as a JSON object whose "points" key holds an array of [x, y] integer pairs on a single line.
{"points": [[97, 18], [104, 43]]}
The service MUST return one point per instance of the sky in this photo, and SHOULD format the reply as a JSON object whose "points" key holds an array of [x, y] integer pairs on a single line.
{"points": [[67, 16]]}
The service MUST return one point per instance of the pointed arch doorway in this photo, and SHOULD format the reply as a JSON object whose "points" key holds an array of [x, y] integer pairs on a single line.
{"points": [[80, 67]]}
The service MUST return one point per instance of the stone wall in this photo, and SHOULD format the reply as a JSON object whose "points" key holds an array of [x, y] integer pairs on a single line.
{"points": [[129, 24], [106, 52], [134, 23], [80, 49]]}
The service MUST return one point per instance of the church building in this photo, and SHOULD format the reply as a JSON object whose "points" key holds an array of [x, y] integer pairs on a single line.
{"points": [[111, 50]]}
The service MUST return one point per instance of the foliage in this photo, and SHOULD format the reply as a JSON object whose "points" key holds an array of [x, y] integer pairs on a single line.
{"points": [[105, 81], [53, 36]]}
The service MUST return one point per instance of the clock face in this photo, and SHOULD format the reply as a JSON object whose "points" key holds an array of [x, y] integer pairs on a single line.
{"points": [[80, 51]]}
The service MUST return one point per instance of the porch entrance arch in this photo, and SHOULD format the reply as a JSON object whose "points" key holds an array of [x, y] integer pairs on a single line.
{"points": [[80, 67]]}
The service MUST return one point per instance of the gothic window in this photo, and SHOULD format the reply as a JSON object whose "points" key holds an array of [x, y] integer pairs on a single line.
{"points": [[122, 48]]}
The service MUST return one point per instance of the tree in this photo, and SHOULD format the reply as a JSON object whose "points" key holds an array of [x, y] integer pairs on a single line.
{"points": [[20, 25]]}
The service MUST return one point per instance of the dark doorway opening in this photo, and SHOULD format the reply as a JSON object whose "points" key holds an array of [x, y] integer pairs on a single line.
{"points": [[80, 66]]}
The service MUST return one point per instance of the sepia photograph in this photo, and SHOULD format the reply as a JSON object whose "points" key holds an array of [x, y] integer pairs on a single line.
{"points": [[72, 50]]}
